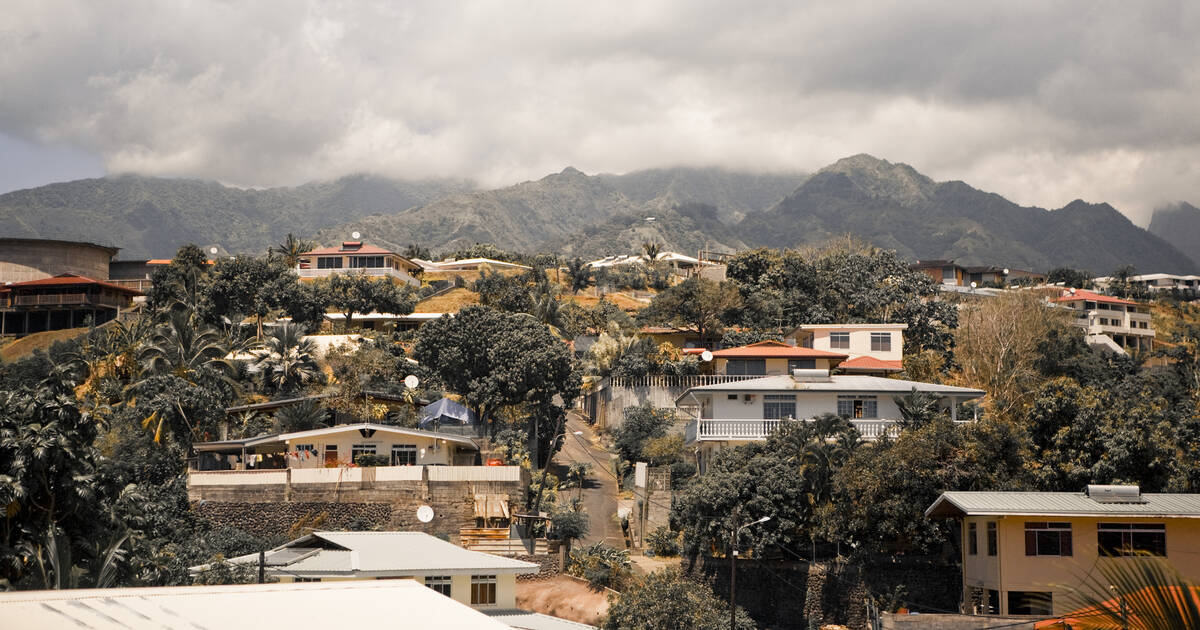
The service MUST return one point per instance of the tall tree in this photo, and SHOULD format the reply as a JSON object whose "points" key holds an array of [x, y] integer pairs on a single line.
{"points": [[287, 360], [353, 293], [291, 248], [699, 303], [250, 286], [494, 359]]}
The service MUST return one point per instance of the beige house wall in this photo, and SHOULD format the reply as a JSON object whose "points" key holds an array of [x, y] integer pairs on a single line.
{"points": [[430, 451], [1012, 570], [460, 587]]}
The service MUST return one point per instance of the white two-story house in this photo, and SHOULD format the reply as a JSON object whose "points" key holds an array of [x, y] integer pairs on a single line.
{"points": [[357, 257], [730, 414], [869, 348], [1114, 323]]}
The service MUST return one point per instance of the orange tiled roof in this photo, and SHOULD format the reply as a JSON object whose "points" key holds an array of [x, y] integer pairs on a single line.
{"points": [[775, 350], [871, 363], [1084, 294]]}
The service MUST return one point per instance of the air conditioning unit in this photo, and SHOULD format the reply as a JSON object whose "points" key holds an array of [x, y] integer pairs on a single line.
{"points": [[747, 398]]}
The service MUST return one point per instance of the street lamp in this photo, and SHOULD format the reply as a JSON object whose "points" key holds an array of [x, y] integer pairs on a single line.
{"points": [[733, 571]]}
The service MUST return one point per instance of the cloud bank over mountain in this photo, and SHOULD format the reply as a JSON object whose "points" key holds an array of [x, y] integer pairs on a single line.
{"points": [[1041, 102]]}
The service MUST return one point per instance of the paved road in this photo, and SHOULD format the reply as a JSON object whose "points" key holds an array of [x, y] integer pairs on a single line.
{"points": [[600, 488]]}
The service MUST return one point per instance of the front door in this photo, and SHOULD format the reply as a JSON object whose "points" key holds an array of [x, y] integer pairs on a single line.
{"points": [[331, 456]]}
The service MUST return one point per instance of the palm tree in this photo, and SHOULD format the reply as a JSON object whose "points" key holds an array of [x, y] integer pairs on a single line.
{"points": [[287, 359], [182, 346], [1139, 593], [291, 248], [651, 250], [302, 416]]}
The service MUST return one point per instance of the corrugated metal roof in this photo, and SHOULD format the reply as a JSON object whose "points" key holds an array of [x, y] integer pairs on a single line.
{"points": [[383, 554], [351, 604], [843, 383], [1061, 504], [342, 428], [525, 620]]}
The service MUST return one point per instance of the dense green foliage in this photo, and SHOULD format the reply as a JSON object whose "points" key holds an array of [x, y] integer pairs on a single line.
{"points": [[669, 600]]}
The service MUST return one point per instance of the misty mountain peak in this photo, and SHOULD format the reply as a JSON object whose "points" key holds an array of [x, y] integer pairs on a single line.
{"points": [[880, 178]]}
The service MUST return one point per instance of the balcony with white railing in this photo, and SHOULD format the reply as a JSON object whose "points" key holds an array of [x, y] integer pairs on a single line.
{"points": [[751, 429]]}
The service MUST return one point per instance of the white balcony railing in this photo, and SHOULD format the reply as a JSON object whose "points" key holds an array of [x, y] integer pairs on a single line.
{"points": [[370, 271], [748, 429]]}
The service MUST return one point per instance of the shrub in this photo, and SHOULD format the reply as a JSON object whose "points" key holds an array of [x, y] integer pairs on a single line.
{"points": [[367, 460], [601, 565], [663, 542], [568, 525]]}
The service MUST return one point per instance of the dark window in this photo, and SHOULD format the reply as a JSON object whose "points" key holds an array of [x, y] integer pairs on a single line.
{"points": [[972, 539], [439, 583], [362, 449], [1127, 539], [483, 589], [1047, 539], [991, 538], [779, 406], [857, 407], [731, 397], [1030, 603], [404, 454], [839, 340], [304, 579], [993, 602], [801, 364], [363, 262], [329, 263], [751, 367], [881, 342]]}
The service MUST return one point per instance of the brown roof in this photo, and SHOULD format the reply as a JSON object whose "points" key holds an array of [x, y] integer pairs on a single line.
{"points": [[871, 363], [70, 280], [775, 349], [348, 247]]}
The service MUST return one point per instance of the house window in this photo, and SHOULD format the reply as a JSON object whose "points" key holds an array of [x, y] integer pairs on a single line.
{"points": [[404, 454], [779, 406], [439, 583], [329, 263], [483, 590], [857, 407], [1128, 539], [304, 579], [752, 367], [364, 262], [1047, 539], [839, 340], [991, 538], [1030, 603], [972, 539], [881, 342], [331, 455], [801, 364], [993, 602], [362, 449]]}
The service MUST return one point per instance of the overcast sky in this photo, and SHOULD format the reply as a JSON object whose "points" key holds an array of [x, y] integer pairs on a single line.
{"points": [[1042, 102]]}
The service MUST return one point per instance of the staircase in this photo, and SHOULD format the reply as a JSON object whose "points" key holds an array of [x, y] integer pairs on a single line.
{"points": [[497, 541]]}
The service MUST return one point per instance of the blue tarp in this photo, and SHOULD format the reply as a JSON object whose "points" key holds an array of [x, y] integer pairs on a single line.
{"points": [[446, 413]]}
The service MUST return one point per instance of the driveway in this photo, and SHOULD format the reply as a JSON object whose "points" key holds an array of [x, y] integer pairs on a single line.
{"points": [[600, 487]]}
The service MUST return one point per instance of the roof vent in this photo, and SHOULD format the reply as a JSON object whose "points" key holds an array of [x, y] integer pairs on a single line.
{"points": [[810, 375], [1114, 494]]}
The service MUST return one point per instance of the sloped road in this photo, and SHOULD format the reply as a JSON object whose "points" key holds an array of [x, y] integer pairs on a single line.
{"points": [[600, 487]]}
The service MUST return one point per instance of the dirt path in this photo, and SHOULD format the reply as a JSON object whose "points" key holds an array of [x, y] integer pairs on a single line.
{"points": [[600, 487]]}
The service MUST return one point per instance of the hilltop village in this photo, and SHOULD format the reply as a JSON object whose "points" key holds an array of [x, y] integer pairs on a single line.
{"points": [[776, 438]]}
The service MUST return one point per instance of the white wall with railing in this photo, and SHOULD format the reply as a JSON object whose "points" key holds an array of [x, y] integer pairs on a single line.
{"points": [[349, 474]]}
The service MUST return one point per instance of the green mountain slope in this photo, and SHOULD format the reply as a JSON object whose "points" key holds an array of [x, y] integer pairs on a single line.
{"points": [[151, 217], [1179, 225], [893, 206]]}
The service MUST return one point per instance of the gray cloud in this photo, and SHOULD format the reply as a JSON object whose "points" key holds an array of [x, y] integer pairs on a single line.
{"points": [[1042, 102]]}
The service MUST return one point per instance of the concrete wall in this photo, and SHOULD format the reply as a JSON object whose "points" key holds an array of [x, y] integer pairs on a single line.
{"points": [[460, 589], [22, 260], [270, 508], [1012, 570], [860, 343], [891, 621]]}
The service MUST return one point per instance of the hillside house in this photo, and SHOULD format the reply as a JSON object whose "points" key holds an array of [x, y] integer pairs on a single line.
{"points": [[947, 272], [1155, 282], [771, 358], [1112, 323], [680, 263], [64, 301], [725, 415], [869, 348], [479, 580], [1022, 551], [357, 257], [468, 264]]}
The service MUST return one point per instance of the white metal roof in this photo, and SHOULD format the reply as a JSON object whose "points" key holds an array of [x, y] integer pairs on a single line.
{"points": [[381, 554], [349, 604], [1001, 503], [375, 316], [525, 620], [380, 428], [849, 383], [852, 327]]}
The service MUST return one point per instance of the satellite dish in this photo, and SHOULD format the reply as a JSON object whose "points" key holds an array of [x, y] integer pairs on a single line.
{"points": [[1006, 271], [424, 514], [411, 381], [972, 285], [706, 356], [212, 250], [355, 235]]}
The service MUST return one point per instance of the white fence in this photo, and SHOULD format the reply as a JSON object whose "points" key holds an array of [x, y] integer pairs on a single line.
{"points": [[302, 476], [759, 429]]}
